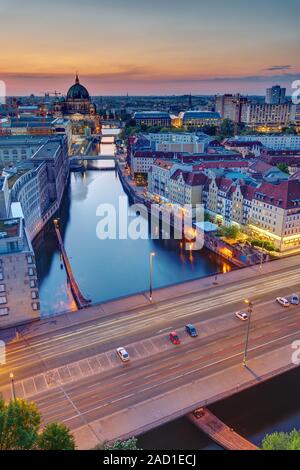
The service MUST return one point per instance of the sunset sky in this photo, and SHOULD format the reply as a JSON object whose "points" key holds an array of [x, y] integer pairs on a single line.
{"points": [[153, 47]]}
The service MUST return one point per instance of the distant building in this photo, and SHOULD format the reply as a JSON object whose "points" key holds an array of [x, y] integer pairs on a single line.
{"points": [[19, 295], [38, 184], [271, 141], [38, 126], [268, 114], [232, 107], [179, 142], [191, 119], [275, 95], [152, 119]]}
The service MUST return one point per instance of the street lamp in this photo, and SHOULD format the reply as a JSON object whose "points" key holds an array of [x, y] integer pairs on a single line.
{"points": [[150, 289], [13, 391], [250, 309]]}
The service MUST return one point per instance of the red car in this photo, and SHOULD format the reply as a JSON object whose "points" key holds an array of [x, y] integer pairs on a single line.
{"points": [[174, 338]]}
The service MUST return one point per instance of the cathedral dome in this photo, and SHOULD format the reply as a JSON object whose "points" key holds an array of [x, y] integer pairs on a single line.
{"points": [[78, 92]]}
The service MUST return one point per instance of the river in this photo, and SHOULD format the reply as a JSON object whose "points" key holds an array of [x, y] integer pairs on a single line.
{"points": [[107, 269]]}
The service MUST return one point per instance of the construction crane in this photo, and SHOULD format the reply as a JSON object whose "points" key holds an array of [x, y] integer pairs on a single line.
{"points": [[49, 93]]}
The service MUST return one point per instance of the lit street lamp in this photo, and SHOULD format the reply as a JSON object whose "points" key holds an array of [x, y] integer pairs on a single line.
{"points": [[150, 290], [13, 391], [250, 309]]}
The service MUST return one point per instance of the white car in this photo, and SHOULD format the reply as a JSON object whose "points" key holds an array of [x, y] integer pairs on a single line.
{"points": [[241, 316], [123, 354], [283, 301]]}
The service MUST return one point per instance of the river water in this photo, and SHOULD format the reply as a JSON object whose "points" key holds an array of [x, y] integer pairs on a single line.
{"points": [[107, 269]]}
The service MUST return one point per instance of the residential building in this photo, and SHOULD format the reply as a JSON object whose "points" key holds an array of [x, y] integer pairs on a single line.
{"points": [[179, 142], [38, 184], [275, 214], [19, 296], [268, 114], [271, 141]]}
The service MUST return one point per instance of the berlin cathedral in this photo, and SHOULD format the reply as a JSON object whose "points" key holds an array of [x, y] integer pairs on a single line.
{"points": [[77, 106]]}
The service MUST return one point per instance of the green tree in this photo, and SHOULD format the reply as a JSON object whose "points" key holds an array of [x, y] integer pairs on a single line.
{"points": [[56, 436], [282, 441], [19, 429], [130, 444], [283, 167], [227, 128], [19, 425]]}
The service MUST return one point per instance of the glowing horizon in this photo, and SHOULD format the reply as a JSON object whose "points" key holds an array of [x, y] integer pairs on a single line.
{"points": [[159, 48]]}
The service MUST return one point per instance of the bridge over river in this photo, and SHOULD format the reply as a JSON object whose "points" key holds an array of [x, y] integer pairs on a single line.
{"points": [[69, 366]]}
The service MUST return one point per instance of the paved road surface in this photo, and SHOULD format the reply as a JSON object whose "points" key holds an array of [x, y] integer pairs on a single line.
{"points": [[87, 381]]}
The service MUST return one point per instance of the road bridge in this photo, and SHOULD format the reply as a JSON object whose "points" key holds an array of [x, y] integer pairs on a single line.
{"points": [[69, 366]]}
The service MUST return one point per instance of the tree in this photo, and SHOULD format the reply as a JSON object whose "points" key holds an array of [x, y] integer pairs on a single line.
{"points": [[19, 425], [19, 429], [227, 128], [283, 167], [56, 436], [282, 441], [130, 444]]}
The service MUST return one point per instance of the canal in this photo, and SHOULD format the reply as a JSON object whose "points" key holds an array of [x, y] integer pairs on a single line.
{"points": [[106, 269]]}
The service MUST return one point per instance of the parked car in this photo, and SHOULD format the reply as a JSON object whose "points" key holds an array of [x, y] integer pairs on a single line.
{"points": [[191, 330], [174, 338], [241, 316], [283, 301], [295, 299], [123, 354]]}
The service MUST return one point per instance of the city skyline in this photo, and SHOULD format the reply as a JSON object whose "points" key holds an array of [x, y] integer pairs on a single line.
{"points": [[149, 49]]}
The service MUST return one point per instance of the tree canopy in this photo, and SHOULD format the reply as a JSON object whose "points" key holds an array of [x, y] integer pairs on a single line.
{"points": [[282, 441], [20, 422]]}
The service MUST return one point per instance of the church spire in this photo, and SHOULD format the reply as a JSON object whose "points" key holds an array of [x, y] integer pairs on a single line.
{"points": [[76, 78]]}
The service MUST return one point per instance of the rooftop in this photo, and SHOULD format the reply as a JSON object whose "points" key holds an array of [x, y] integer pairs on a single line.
{"points": [[10, 228]]}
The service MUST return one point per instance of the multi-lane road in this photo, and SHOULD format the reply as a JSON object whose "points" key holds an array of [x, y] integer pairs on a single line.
{"points": [[73, 372]]}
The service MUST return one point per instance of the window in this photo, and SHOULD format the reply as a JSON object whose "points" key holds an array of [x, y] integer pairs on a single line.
{"points": [[4, 311], [34, 294], [35, 305], [3, 299], [31, 272], [29, 260], [2, 288], [1, 276], [32, 283]]}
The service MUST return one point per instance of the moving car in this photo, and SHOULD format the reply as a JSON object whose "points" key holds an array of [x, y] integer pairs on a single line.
{"points": [[283, 301], [241, 316], [191, 330], [295, 299], [174, 338], [123, 354]]}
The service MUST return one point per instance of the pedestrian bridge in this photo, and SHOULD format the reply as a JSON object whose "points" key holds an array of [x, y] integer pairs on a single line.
{"points": [[78, 158]]}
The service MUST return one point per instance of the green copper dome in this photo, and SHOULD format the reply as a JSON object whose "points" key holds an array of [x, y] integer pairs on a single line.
{"points": [[78, 92]]}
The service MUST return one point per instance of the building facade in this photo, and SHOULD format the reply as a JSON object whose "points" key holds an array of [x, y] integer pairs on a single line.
{"points": [[19, 295]]}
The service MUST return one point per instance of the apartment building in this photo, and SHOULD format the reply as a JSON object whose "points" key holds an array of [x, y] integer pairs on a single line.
{"points": [[19, 296], [275, 213], [268, 114], [271, 141]]}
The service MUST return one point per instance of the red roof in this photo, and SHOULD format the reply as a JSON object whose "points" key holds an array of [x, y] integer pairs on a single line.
{"points": [[285, 194], [192, 179]]}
